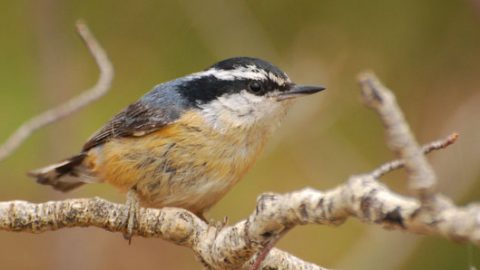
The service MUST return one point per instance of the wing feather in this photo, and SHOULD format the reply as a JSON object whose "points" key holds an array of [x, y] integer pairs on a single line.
{"points": [[138, 119]]}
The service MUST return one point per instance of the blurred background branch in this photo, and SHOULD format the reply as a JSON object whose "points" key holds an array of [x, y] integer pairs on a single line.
{"points": [[85, 98]]}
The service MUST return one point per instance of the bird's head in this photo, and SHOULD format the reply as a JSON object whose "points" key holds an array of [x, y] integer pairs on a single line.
{"points": [[242, 92]]}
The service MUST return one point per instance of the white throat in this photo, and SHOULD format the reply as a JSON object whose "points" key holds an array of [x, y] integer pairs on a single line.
{"points": [[245, 111]]}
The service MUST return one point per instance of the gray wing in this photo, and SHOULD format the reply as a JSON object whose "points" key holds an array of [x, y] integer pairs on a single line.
{"points": [[154, 111]]}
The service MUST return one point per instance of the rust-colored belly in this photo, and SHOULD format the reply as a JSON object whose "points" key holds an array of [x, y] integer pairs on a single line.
{"points": [[181, 165]]}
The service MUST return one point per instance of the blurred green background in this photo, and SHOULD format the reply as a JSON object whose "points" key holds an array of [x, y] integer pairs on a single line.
{"points": [[427, 51]]}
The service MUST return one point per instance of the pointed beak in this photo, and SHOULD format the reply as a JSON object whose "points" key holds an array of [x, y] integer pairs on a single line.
{"points": [[299, 91]]}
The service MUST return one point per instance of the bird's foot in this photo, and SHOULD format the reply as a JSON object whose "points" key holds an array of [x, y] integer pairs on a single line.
{"points": [[133, 207]]}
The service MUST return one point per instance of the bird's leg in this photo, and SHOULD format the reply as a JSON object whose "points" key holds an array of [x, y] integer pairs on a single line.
{"points": [[133, 207]]}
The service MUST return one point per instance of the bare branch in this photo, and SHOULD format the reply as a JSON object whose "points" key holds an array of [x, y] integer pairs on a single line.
{"points": [[399, 136], [231, 247], [426, 149], [85, 98]]}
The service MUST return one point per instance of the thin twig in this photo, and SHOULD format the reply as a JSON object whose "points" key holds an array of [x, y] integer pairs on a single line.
{"points": [[85, 98], [426, 149], [422, 179]]}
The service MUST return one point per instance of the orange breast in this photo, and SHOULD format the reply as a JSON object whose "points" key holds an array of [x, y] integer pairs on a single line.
{"points": [[186, 164]]}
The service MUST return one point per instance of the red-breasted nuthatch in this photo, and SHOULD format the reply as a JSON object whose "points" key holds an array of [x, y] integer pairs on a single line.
{"points": [[188, 141]]}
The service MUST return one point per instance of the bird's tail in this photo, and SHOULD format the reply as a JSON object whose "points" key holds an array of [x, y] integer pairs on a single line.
{"points": [[63, 176]]}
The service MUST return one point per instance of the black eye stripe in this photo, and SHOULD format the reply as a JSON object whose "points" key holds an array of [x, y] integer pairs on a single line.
{"points": [[205, 89]]}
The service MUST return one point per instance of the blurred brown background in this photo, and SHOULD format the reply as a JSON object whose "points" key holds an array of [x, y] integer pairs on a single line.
{"points": [[427, 51]]}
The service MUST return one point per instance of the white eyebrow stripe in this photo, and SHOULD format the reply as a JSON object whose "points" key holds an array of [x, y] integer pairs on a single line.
{"points": [[230, 75], [276, 79], [249, 72]]}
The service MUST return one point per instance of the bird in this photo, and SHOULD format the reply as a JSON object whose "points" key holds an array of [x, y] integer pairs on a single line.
{"points": [[186, 142]]}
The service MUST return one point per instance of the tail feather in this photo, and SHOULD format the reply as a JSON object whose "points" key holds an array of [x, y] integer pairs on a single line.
{"points": [[63, 176]]}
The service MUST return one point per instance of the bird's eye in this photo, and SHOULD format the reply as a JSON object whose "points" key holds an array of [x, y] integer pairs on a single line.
{"points": [[255, 87]]}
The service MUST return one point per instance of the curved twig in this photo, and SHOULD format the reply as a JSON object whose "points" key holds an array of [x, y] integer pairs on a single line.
{"points": [[85, 98]]}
